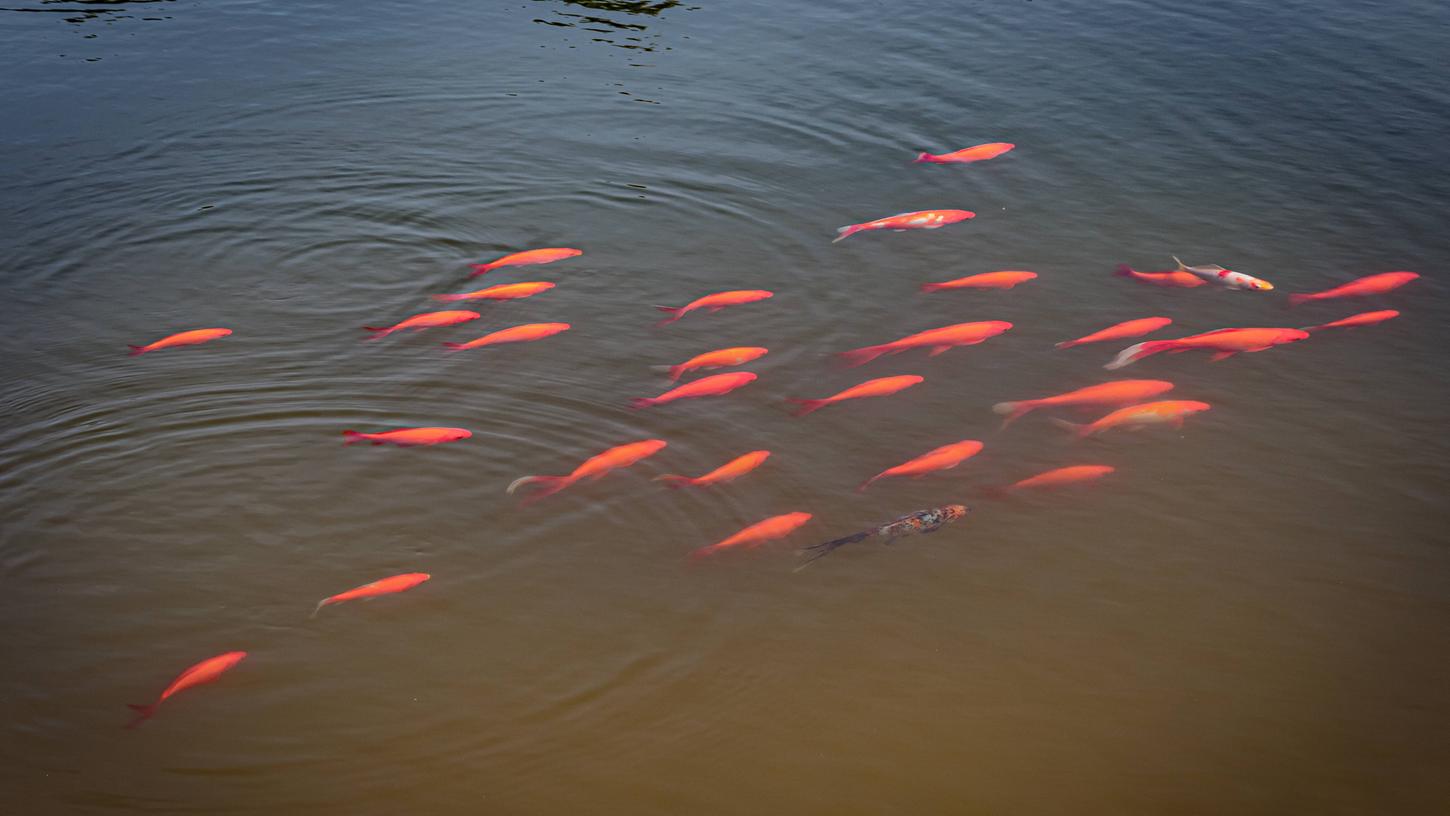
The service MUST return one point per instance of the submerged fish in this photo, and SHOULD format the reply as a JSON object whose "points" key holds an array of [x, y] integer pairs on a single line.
{"points": [[385, 586], [945, 457], [714, 303], [525, 258], [504, 291], [1006, 279], [513, 334], [206, 671], [1172, 277], [427, 320], [1359, 287], [1214, 273], [966, 155], [1355, 321], [937, 340], [879, 387], [922, 219], [718, 358], [728, 472], [1225, 343], [1117, 392], [595, 467], [186, 338], [922, 521], [407, 437], [1167, 412], [1056, 478], [1120, 331], [758, 533], [712, 386]]}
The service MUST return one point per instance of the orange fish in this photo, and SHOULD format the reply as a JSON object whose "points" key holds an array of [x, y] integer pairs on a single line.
{"points": [[504, 291], [880, 387], [1173, 277], [945, 457], [204, 672], [532, 256], [938, 340], [513, 334], [728, 472], [1059, 477], [595, 467], [1169, 412], [186, 338], [966, 155], [1355, 321], [1120, 331], [1118, 392], [408, 437], [923, 219], [386, 586], [987, 280], [1360, 287], [713, 386], [714, 303], [427, 320], [1225, 343], [717, 359], [758, 533]]}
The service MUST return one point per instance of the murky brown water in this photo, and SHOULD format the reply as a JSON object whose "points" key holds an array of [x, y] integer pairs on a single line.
{"points": [[1250, 616]]}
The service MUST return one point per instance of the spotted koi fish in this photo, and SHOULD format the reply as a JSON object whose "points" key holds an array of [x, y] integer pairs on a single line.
{"points": [[922, 521]]}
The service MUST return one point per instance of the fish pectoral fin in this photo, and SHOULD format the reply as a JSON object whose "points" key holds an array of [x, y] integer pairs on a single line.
{"points": [[1223, 355], [935, 350]]}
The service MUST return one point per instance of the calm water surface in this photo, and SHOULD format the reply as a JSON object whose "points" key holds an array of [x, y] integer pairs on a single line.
{"points": [[1251, 616]]}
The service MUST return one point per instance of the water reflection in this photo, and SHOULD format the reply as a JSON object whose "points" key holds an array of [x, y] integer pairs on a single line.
{"points": [[619, 31], [92, 9]]}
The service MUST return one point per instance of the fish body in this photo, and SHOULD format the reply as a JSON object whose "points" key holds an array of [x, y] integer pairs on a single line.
{"points": [[728, 472], [921, 521], [206, 671], [880, 387], [1118, 392], [427, 320], [1224, 343], [1355, 321], [1120, 331], [385, 586], [1173, 277], [718, 359], [945, 457], [713, 386], [758, 533], [1213, 273], [966, 155], [1359, 287], [922, 219], [595, 467], [408, 437], [186, 338], [938, 340], [504, 291], [1061, 476], [1167, 412], [1006, 279], [714, 303], [513, 334], [525, 258]]}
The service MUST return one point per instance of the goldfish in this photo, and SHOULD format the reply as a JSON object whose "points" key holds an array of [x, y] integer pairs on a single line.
{"points": [[513, 334], [987, 280], [1058, 478], [186, 338], [1118, 392], [728, 472], [1359, 287], [1224, 343], [945, 457], [923, 219], [758, 533], [504, 291], [938, 340], [921, 521], [593, 468], [408, 437], [532, 256], [206, 671], [714, 303], [385, 586], [427, 320], [1172, 277], [966, 155], [717, 359], [1225, 277], [880, 387], [713, 386], [1167, 412], [1355, 321], [1120, 331]]}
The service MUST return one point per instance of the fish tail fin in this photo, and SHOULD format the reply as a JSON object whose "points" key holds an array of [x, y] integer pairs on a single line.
{"points": [[1067, 344], [862, 356], [674, 481], [932, 287], [861, 488], [143, 713], [1181, 265], [676, 372], [1013, 410], [807, 406], [922, 158], [480, 269], [448, 298], [349, 437], [551, 485], [377, 332], [320, 604], [1138, 351], [846, 232], [136, 350], [818, 551], [1294, 300], [1078, 430], [1124, 271], [455, 346], [1313, 328], [674, 313], [643, 402]]}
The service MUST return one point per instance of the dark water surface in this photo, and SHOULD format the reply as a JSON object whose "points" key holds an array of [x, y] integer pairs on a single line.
{"points": [[1250, 616]]}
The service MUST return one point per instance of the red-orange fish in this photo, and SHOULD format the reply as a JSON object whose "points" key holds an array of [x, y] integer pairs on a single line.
{"points": [[186, 338], [525, 258], [938, 340], [728, 472], [1120, 331], [1167, 412], [427, 320], [1005, 279], [1174, 277], [717, 359], [880, 387], [712, 386], [1359, 287], [1355, 321], [1118, 392], [966, 155], [385, 586], [206, 671], [1224, 343], [922, 219], [758, 533], [945, 457], [595, 467], [408, 437], [513, 334], [1058, 478], [714, 303], [504, 291]]}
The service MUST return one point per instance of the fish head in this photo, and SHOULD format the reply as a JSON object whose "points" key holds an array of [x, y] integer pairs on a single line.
{"points": [[1261, 285]]}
